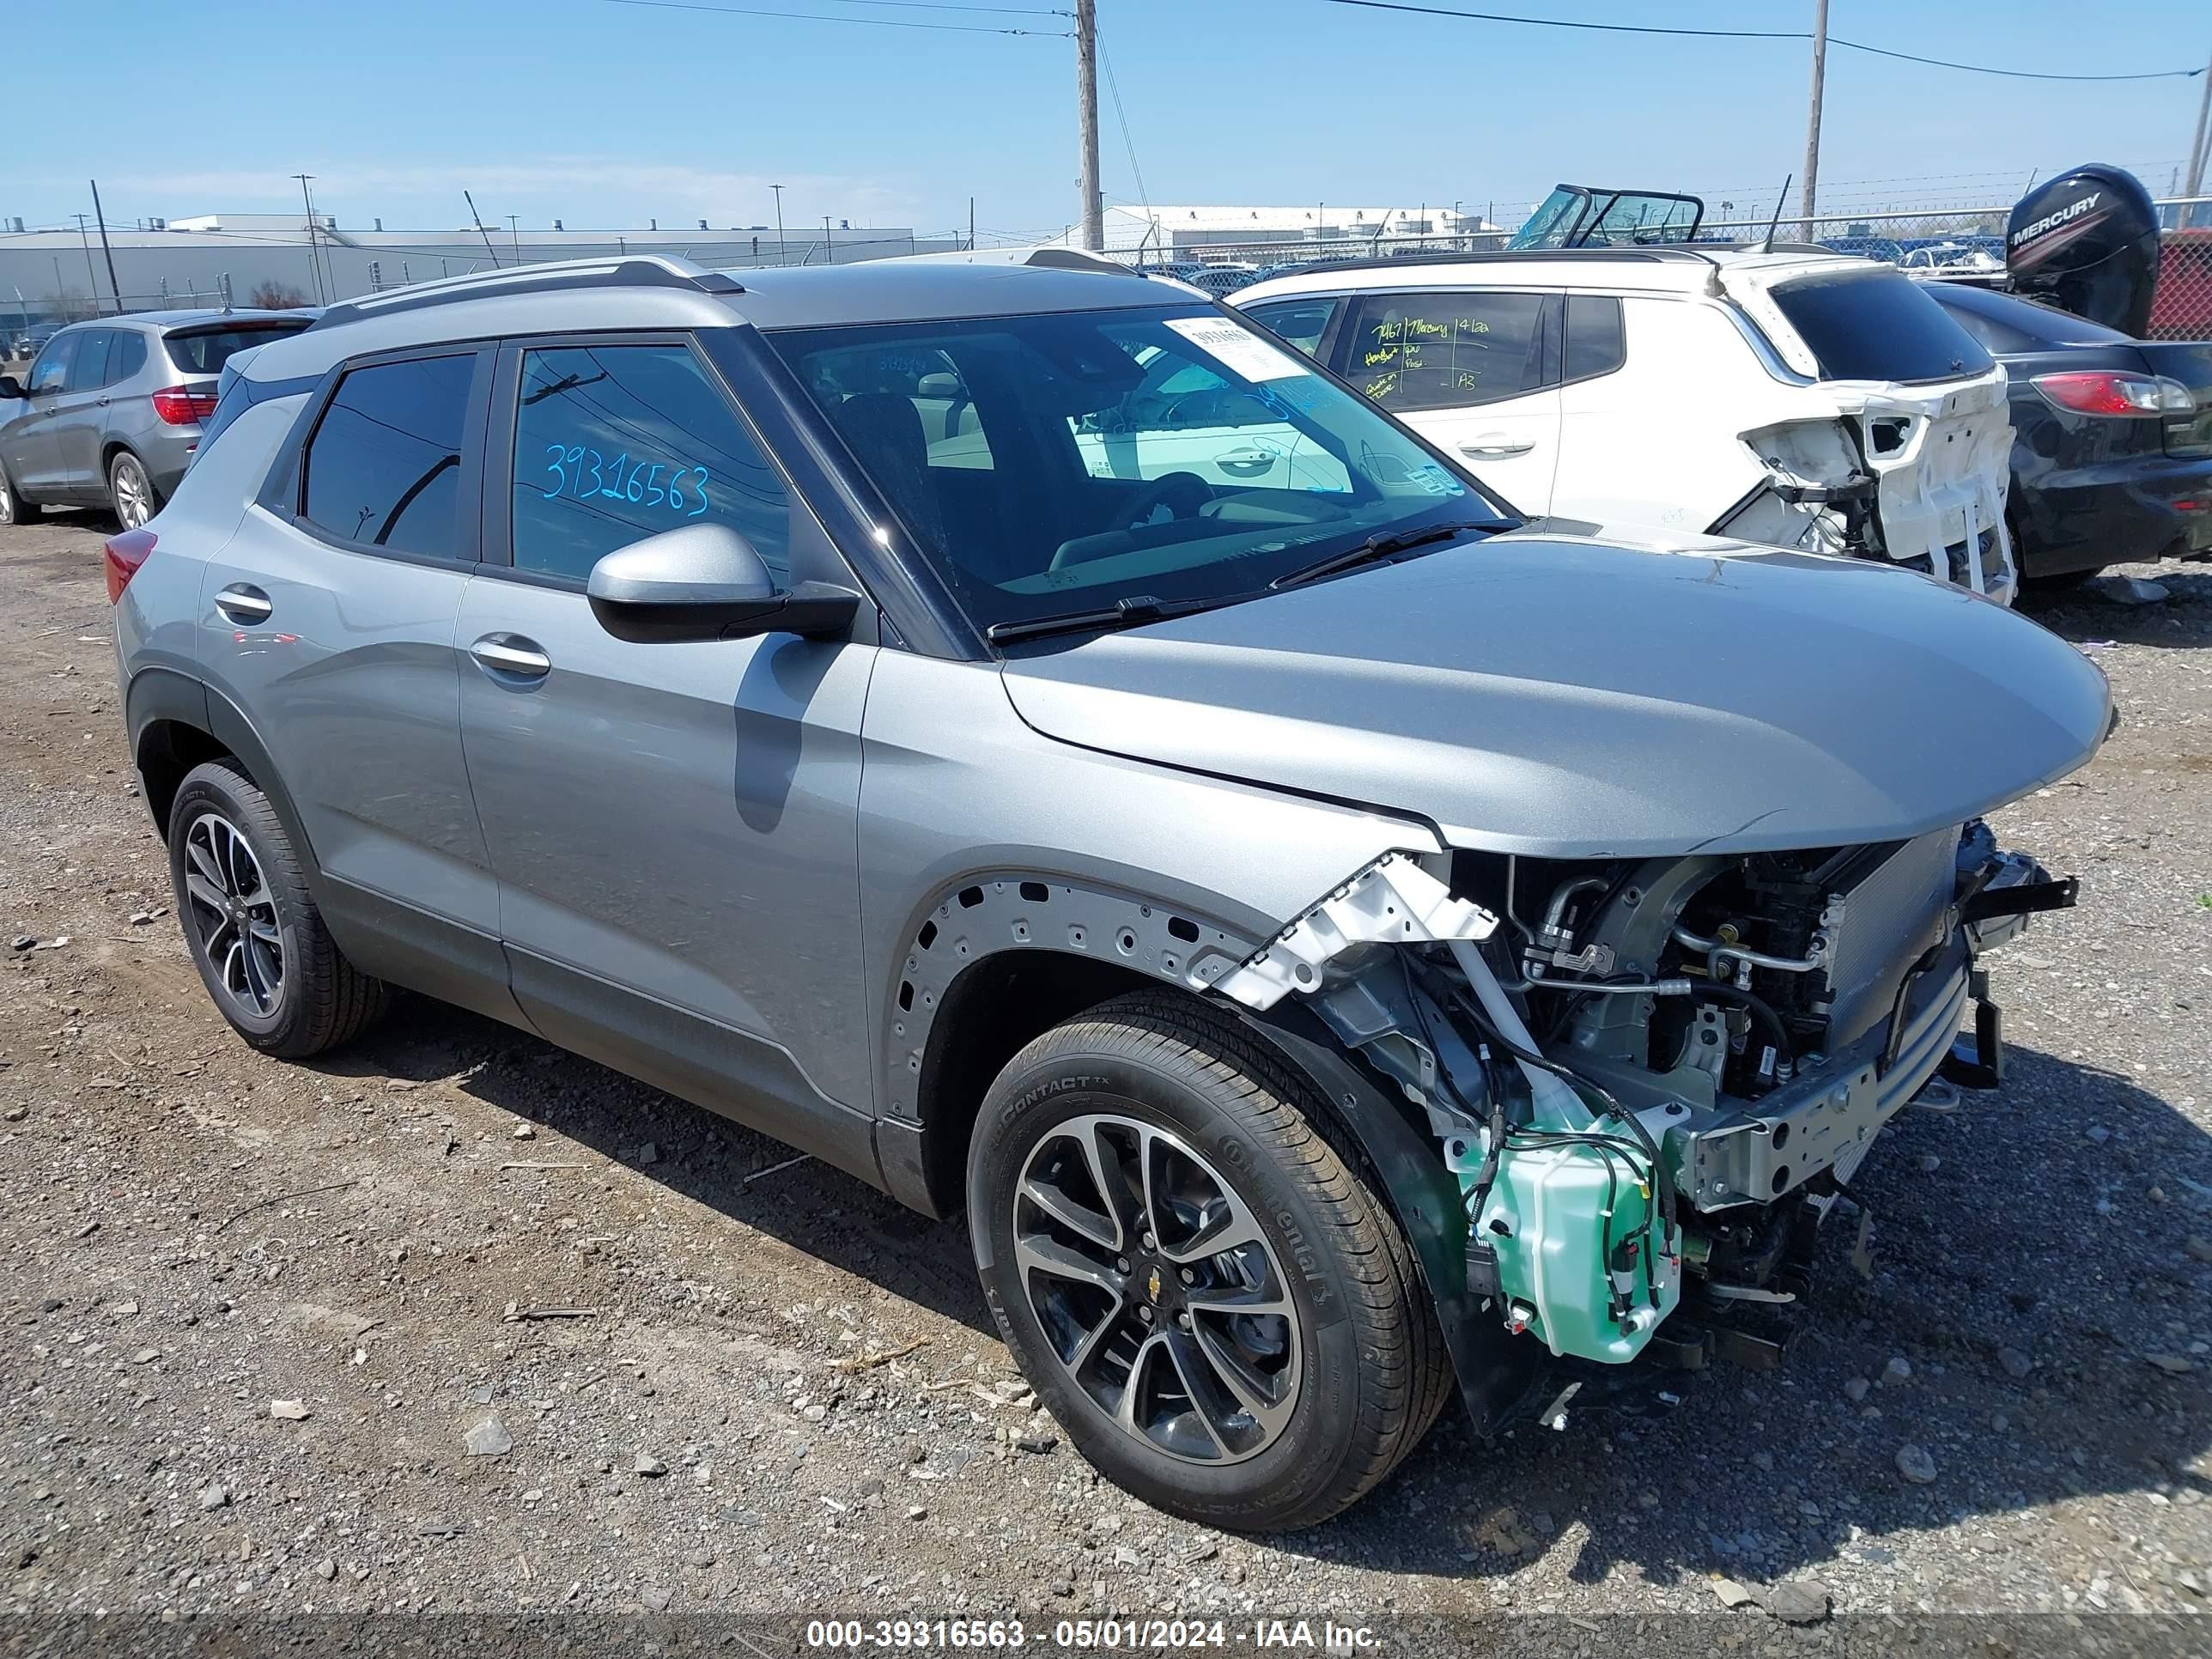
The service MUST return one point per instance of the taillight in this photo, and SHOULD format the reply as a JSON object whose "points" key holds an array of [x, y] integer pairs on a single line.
{"points": [[125, 552], [2107, 392], [181, 405]]}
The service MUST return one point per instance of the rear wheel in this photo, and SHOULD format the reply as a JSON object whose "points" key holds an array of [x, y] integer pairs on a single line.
{"points": [[256, 937], [1195, 1273], [130, 490]]}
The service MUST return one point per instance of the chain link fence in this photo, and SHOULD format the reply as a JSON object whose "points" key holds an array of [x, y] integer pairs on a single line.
{"points": [[1949, 242]]}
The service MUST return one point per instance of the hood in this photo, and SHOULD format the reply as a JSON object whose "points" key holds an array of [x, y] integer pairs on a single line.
{"points": [[1568, 698]]}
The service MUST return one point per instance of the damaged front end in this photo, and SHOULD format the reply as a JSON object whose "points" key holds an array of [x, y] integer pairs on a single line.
{"points": [[1914, 477], [1626, 1092]]}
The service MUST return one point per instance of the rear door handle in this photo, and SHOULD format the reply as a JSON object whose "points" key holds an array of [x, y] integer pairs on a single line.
{"points": [[1496, 448], [512, 656], [244, 604]]}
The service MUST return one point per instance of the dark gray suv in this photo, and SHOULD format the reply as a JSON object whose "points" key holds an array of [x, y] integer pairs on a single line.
{"points": [[1027, 740], [110, 412]]}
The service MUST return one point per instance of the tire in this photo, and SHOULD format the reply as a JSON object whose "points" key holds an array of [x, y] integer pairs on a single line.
{"points": [[13, 509], [226, 843], [1338, 1386], [130, 490]]}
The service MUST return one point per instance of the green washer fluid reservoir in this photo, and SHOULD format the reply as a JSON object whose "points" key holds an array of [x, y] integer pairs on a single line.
{"points": [[1546, 1218]]}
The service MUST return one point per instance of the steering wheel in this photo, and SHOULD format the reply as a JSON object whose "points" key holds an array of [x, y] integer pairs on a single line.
{"points": [[1170, 490]]}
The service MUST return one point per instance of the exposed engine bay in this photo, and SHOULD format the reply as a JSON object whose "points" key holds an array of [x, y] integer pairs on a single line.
{"points": [[1650, 1078]]}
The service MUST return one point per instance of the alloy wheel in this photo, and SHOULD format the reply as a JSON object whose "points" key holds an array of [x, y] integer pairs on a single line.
{"points": [[1155, 1289], [134, 495], [233, 914]]}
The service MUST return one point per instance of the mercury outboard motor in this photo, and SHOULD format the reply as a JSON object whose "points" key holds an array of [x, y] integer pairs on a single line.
{"points": [[2087, 242]]}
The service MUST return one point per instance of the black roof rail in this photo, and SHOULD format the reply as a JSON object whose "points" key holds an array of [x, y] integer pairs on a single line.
{"points": [[629, 270], [1074, 258]]}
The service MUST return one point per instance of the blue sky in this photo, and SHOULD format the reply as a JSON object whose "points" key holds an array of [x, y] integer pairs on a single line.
{"points": [[607, 114]]}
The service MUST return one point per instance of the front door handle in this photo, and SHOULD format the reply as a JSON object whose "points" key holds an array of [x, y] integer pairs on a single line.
{"points": [[512, 656], [1495, 446], [244, 604]]}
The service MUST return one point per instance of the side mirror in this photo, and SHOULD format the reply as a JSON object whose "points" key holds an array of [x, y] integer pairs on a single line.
{"points": [[11, 387], [705, 581]]}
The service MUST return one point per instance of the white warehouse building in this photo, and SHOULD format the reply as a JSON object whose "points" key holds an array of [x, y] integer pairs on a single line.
{"points": [[1187, 232]]}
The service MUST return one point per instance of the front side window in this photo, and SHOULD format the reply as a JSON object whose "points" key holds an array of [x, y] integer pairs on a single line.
{"points": [[384, 466], [88, 373], [613, 443], [1301, 323], [1166, 453], [1412, 351], [51, 372]]}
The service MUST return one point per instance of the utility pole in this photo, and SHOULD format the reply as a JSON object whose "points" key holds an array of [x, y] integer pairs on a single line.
{"points": [[971, 224], [314, 264], [109, 253], [2197, 149], [1809, 199], [782, 255], [828, 243], [91, 276], [1087, 121]]}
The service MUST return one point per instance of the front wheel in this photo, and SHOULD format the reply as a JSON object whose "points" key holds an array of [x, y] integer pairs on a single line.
{"points": [[13, 509], [1194, 1269]]}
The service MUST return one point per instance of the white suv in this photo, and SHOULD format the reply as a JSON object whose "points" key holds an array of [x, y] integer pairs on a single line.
{"points": [[1794, 396]]}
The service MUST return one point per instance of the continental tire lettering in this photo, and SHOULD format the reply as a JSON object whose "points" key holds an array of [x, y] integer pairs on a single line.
{"points": [[1308, 1259], [1059, 1085]]}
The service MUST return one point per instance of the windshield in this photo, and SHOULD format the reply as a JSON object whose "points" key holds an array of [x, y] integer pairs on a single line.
{"points": [[205, 351], [1875, 324], [1572, 216], [1067, 462]]}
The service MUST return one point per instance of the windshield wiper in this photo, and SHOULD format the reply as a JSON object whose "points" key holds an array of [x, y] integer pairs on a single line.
{"points": [[1377, 547], [1129, 613]]}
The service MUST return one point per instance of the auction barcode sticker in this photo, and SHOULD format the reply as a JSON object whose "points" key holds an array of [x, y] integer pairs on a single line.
{"points": [[1238, 348]]}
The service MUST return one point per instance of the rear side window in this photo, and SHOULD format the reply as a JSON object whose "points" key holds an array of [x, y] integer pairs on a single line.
{"points": [[616, 443], [88, 373], [384, 466], [1595, 343], [1413, 351], [205, 351], [1877, 325], [1301, 323], [127, 357]]}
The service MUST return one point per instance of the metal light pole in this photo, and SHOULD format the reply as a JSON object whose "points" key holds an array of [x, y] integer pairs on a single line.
{"points": [[2197, 149], [314, 264], [1086, 123], [1808, 198], [829, 244], [108, 252], [782, 254], [91, 277], [514, 235]]}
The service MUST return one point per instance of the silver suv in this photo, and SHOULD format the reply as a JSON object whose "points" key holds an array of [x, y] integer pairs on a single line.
{"points": [[1026, 738], [110, 413]]}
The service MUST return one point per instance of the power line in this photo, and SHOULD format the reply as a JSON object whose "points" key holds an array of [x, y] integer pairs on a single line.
{"points": [[1752, 34], [866, 22], [1113, 88]]}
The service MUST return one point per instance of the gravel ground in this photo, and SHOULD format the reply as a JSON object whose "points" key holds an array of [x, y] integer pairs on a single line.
{"points": [[457, 1321]]}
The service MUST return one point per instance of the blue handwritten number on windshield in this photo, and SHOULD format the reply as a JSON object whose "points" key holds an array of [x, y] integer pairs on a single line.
{"points": [[586, 473]]}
